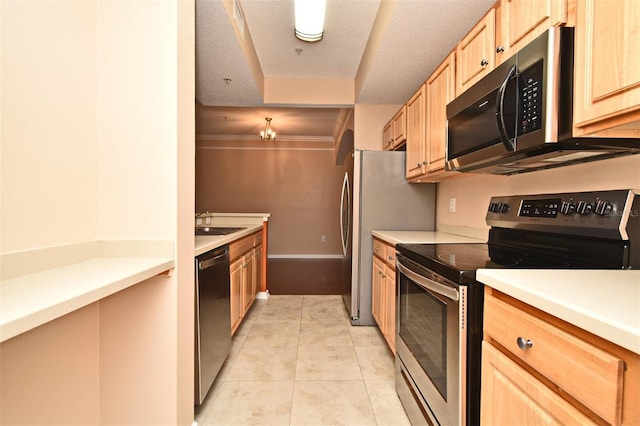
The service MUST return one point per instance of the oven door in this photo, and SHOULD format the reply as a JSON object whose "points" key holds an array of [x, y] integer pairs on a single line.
{"points": [[430, 346]]}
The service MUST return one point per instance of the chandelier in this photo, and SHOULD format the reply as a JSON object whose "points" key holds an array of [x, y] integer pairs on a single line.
{"points": [[267, 133]]}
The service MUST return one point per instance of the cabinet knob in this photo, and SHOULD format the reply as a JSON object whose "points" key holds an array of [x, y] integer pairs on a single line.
{"points": [[484, 63], [424, 163], [524, 343], [390, 258], [499, 49]]}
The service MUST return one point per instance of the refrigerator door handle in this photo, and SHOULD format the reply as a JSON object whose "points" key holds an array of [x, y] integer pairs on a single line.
{"points": [[345, 202]]}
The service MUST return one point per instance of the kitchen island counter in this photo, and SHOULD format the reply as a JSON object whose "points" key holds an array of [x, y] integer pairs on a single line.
{"points": [[603, 302]]}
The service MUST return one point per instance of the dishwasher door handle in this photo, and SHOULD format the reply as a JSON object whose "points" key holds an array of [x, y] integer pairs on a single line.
{"points": [[206, 264]]}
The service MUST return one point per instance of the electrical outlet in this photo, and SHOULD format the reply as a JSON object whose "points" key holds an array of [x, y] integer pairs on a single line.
{"points": [[452, 205], [324, 238]]}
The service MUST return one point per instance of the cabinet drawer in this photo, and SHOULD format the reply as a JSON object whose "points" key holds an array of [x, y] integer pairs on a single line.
{"points": [[240, 247], [390, 257], [587, 373], [257, 238], [385, 252], [379, 249]]}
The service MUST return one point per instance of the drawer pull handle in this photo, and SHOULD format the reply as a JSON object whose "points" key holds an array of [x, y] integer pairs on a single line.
{"points": [[524, 343]]}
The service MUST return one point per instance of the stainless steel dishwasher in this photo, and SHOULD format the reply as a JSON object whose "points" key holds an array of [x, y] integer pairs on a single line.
{"points": [[212, 318]]}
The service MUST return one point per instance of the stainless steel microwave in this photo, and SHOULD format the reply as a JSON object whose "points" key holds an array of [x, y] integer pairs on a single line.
{"points": [[518, 118]]}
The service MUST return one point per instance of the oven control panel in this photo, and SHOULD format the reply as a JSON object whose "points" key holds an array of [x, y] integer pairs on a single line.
{"points": [[588, 213]]}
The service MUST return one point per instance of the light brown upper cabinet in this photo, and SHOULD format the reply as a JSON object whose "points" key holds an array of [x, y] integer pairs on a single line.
{"points": [[387, 136], [521, 21], [607, 68], [394, 133], [476, 54], [400, 127], [440, 90], [416, 133]]}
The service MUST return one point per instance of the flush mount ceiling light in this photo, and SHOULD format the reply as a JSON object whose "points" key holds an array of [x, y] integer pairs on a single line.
{"points": [[309, 19], [267, 133]]}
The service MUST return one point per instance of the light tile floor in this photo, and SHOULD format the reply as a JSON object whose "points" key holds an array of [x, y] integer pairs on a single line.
{"points": [[296, 360]]}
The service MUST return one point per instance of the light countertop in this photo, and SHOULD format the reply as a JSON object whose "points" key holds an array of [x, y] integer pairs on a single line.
{"points": [[79, 275], [204, 243], [603, 302], [423, 237]]}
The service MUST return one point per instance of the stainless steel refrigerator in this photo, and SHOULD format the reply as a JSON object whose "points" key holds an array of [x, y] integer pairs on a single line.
{"points": [[376, 196]]}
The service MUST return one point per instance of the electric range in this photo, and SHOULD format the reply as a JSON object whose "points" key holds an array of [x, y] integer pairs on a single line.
{"points": [[440, 304]]}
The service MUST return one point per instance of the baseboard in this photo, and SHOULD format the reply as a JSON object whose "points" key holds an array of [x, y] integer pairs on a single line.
{"points": [[262, 295]]}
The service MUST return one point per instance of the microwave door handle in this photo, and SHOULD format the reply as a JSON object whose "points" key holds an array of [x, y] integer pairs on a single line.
{"points": [[502, 128]]}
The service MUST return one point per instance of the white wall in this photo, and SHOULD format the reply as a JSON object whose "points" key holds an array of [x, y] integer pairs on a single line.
{"points": [[49, 113], [137, 126]]}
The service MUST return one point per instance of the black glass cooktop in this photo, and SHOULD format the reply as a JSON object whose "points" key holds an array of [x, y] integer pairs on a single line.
{"points": [[459, 262]]}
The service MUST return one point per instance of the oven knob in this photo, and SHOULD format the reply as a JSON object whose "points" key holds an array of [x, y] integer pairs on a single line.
{"points": [[585, 207], [503, 208], [604, 208], [492, 207], [568, 207]]}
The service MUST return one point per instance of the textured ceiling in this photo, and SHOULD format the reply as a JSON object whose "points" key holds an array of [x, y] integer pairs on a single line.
{"points": [[419, 35]]}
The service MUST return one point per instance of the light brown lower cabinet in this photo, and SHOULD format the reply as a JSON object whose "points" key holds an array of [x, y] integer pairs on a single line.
{"points": [[538, 369], [246, 276], [383, 290]]}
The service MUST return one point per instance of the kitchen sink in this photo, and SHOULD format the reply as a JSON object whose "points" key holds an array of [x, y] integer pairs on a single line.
{"points": [[217, 230]]}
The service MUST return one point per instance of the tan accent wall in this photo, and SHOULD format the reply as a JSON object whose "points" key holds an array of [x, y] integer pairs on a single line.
{"points": [[297, 183], [473, 191]]}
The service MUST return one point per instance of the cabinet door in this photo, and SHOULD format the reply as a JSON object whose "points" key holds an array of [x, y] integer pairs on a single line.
{"points": [[400, 127], [247, 282], [440, 91], [377, 292], [257, 269], [415, 133], [387, 136], [390, 308], [511, 396], [475, 54], [607, 66], [236, 270], [523, 20]]}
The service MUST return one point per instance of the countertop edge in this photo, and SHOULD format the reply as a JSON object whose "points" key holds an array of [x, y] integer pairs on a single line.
{"points": [[33, 299], [548, 298], [422, 237], [204, 243]]}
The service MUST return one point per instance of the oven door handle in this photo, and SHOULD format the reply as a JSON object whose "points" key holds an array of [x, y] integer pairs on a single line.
{"points": [[426, 283]]}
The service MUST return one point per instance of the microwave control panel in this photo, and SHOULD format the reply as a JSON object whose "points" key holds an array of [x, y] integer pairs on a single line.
{"points": [[530, 88]]}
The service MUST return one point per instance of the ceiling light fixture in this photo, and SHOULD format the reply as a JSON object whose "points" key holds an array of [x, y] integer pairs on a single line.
{"points": [[310, 19], [267, 133]]}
